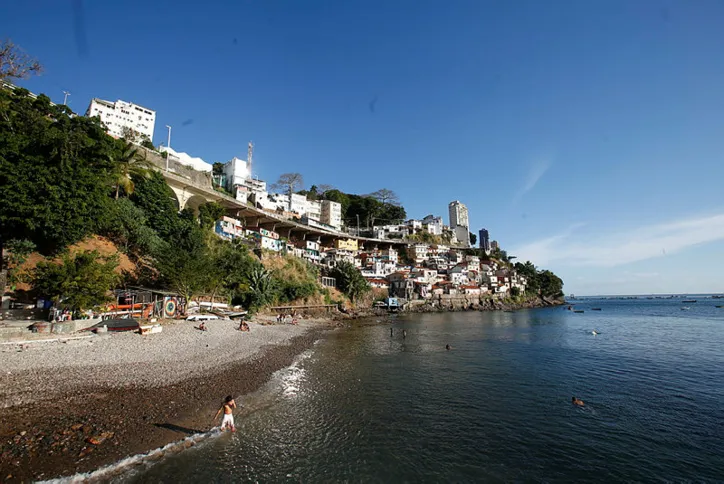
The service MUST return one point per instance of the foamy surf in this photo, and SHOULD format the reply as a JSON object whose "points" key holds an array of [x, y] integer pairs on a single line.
{"points": [[136, 462], [284, 382]]}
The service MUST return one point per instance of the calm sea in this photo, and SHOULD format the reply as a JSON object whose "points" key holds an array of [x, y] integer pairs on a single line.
{"points": [[364, 406]]}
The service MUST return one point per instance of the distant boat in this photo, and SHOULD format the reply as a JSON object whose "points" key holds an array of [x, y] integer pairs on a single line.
{"points": [[595, 309], [578, 310], [689, 301], [685, 308], [594, 332], [719, 306]]}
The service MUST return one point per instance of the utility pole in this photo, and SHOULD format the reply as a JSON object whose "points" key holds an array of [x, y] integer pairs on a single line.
{"points": [[168, 145], [65, 98], [357, 225]]}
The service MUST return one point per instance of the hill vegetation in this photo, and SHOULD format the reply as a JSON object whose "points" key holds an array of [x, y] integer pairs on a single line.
{"points": [[63, 179]]}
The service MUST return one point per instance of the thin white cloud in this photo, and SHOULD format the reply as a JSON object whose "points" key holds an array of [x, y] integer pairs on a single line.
{"points": [[615, 249], [535, 173]]}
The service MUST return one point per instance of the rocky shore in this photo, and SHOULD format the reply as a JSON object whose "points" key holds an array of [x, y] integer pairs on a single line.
{"points": [[477, 303], [74, 406]]}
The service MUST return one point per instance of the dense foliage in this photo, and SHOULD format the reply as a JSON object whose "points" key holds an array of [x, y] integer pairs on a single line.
{"points": [[56, 172], [350, 280], [369, 209], [542, 282], [80, 281]]}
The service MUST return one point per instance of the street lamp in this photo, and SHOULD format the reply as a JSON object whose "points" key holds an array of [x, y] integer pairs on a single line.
{"points": [[168, 145]]}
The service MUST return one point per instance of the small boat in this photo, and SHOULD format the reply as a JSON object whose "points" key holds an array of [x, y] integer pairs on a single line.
{"points": [[116, 325], [578, 310], [594, 332], [595, 309], [685, 308], [689, 301], [719, 306]]}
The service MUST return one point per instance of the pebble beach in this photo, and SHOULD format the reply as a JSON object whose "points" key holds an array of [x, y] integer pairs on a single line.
{"points": [[83, 401]]}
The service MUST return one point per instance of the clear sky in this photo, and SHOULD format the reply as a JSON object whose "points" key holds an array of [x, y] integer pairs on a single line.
{"points": [[587, 136]]}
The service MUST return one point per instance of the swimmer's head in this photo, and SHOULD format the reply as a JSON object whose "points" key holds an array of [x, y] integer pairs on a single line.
{"points": [[228, 398]]}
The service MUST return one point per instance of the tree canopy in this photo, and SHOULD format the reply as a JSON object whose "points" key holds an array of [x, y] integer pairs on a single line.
{"points": [[371, 211], [56, 172]]}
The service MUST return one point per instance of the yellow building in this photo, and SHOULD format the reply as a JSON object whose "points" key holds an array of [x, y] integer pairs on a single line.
{"points": [[346, 244]]}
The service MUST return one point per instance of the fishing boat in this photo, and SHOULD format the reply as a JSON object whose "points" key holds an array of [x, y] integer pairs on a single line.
{"points": [[116, 325]]}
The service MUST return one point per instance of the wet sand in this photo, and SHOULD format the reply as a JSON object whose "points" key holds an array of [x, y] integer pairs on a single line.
{"points": [[87, 412]]}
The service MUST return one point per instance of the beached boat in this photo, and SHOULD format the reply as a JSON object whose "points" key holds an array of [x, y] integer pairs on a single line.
{"points": [[116, 325]]}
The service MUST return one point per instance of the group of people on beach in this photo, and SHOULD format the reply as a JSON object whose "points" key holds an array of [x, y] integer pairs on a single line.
{"points": [[281, 318]]}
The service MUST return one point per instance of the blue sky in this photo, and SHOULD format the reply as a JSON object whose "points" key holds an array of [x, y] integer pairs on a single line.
{"points": [[586, 136]]}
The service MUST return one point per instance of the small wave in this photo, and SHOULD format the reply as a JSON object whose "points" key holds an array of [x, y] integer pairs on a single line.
{"points": [[134, 462], [289, 379]]}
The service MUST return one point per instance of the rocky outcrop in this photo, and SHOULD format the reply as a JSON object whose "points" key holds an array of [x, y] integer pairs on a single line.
{"points": [[478, 303]]}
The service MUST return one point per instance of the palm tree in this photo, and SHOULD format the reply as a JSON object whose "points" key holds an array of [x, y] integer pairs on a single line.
{"points": [[130, 162]]}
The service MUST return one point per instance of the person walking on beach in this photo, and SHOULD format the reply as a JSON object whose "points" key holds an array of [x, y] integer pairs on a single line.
{"points": [[227, 407]]}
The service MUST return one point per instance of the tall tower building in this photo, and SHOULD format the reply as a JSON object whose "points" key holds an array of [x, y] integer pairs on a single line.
{"points": [[459, 222], [484, 240]]}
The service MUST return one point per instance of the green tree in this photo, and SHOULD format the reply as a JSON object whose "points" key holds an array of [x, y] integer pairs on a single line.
{"points": [[158, 202], [350, 280], [184, 271], [550, 284], [128, 227], [473, 239], [209, 213], [130, 162], [54, 172], [80, 281]]}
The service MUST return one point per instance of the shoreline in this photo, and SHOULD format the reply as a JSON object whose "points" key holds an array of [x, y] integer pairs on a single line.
{"points": [[62, 418], [56, 424]]}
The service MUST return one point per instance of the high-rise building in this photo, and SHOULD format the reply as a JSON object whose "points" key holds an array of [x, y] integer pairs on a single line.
{"points": [[484, 240], [494, 245], [121, 116], [459, 222]]}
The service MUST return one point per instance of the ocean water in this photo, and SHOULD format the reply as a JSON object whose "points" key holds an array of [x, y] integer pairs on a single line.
{"points": [[364, 406]]}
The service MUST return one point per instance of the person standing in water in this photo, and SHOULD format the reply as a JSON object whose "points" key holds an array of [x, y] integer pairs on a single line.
{"points": [[391, 332], [228, 408], [404, 333]]}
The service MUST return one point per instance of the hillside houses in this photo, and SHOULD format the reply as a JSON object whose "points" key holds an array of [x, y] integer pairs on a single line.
{"points": [[412, 271]]}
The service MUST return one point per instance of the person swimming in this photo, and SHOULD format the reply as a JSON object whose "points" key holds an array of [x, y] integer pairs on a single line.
{"points": [[577, 401]]}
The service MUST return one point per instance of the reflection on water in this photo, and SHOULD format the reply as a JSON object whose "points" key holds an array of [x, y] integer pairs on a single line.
{"points": [[366, 406]]}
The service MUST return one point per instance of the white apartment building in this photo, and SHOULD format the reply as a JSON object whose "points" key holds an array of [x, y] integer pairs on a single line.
{"points": [[314, 210], [433, 224], [331, 214], [120, 115], [459, 222]]}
